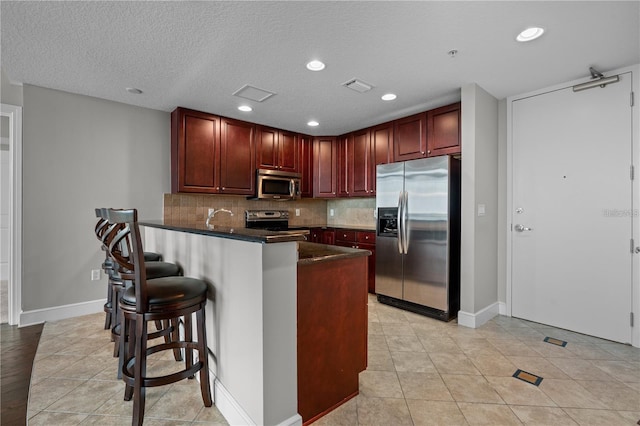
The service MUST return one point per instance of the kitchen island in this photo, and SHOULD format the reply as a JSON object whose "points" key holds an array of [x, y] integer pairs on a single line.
{"points": [[252, 314]]}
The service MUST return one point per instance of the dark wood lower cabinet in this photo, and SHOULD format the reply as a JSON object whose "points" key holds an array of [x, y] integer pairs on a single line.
{"points": [[332, 334]]}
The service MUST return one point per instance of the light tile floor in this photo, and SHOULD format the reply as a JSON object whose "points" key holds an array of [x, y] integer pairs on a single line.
{"points": [[421, 372]]}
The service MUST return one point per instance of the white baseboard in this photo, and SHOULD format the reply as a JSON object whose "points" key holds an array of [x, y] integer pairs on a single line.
{"points": [[228, 407], [292, 421], [479, 318], [235, 415], [57, 313], [502, 308]]}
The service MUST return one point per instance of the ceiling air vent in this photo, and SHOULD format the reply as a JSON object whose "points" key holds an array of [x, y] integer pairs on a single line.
{"points": [[357, 85], [253, 93]]}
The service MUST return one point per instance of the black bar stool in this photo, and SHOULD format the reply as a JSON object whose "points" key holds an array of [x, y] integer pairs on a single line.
{"points": [[160, 299], [154, 269]]}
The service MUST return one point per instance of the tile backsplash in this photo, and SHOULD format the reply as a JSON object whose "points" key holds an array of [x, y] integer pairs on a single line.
{"points": [[356, 212], [193, 208]]}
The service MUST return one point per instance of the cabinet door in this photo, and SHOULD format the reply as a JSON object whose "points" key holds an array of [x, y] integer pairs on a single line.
{"points": [[360, 163], [443, 130], [237, 159], [410, 137], [315, 235], [371, 265], [345, 155], [195, 151], [267, 147], [288, 147], [382, 144], [328, 236], [324, 170], [348, 238], [381, 150], [306, 165]]}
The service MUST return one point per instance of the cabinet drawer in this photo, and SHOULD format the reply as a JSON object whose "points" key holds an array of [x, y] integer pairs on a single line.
{"points": [[366, 237], [342, 235]]}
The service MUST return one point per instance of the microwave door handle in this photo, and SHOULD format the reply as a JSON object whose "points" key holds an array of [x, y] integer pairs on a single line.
{"points": [[292, 188]]}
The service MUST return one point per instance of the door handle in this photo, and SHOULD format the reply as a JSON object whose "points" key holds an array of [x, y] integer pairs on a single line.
{"points": [[521, 228]]}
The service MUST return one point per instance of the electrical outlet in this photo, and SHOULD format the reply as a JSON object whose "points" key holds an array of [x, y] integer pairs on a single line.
{"points": [[95, 274], [297, 212], [331, 212]]}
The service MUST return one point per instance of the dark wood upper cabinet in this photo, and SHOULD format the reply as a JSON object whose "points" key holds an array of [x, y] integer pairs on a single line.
{"points": [[288, 151], [267, 147], [344, 157], [360, 164], [382, 143], [306, 165], [277, 149], [410, 137], [195, 151], [325, 160], [443, 126], [381, 149], [237, 157]]}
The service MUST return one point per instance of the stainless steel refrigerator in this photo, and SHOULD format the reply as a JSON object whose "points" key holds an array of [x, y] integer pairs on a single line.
{"points": [[418, 236]]}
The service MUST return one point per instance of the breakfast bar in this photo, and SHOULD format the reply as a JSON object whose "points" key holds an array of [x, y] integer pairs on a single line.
{"points": [[254, 316]]}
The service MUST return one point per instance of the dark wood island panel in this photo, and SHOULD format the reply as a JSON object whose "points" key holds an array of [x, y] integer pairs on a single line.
{"points": [[332, 333]]}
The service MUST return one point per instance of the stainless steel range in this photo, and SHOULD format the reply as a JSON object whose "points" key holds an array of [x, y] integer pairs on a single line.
{"points": [[270, 220]]}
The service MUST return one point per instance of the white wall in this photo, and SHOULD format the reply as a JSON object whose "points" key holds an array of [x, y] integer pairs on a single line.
{"points": [[80, 153], [4, 198], [479, 237]]}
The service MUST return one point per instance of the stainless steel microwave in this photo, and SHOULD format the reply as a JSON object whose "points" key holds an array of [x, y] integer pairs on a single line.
{"points": [[277, 185]]}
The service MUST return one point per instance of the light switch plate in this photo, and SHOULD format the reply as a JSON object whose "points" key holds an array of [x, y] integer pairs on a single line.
{"points": [[297, 212], [481, 209]]}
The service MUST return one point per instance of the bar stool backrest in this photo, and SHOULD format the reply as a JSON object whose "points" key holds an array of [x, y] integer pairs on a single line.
{"points": [[125, 246]]}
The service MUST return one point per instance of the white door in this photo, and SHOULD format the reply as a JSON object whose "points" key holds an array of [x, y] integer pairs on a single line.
{"points": [[572, 194]]}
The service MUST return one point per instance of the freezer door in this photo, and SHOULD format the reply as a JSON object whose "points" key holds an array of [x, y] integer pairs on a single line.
{"points": [[426, 261], [388, 267], [389, 183]]}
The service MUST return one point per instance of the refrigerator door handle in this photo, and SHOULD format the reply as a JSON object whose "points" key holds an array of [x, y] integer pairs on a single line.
{"points": [[405, 225], [399, 222]]}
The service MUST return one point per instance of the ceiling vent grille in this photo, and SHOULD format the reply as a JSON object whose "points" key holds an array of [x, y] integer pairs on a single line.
{"points": [[253, 93], [358, 85]]}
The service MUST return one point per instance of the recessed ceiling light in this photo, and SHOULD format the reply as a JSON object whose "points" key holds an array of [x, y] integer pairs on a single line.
{"points": [[530, 34], [388, 97], [315, 65], [134, 90], [245, 108], [313, 123]]}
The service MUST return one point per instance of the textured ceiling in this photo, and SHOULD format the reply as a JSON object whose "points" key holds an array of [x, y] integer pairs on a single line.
{"points": [[197, 54]]}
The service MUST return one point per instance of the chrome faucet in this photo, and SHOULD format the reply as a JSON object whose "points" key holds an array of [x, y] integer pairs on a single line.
{"points": [[213, 212]]}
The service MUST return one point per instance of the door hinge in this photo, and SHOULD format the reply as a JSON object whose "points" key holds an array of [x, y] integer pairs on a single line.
{"points": [[631, 318], [631, 98], [632, 172], [632, 245]]}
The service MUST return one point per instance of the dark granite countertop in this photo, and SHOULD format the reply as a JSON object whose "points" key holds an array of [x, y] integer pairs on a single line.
{"points": [[241, 233], [313, 252]]}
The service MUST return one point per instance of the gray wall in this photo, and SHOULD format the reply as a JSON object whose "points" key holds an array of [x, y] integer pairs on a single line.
{"points": [[80, 153], [9, 93], [479, 239]]}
